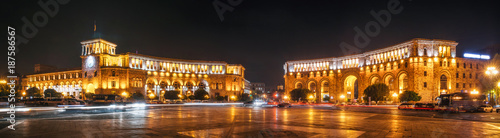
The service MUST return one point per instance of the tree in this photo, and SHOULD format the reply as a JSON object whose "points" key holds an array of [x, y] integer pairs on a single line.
{"points": [[171, 95], [409, 96], [138, 96], [33, 92], [200, 94], [301, 94], [245, 97], [490, 82], [377, 92], [51, 93], [4, 90]]}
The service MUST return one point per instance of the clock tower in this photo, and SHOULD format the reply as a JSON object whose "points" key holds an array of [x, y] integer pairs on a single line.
{"points": [[92, 52]]}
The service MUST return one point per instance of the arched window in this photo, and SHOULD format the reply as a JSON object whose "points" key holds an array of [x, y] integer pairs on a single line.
{"points": [[113, 73], [85, 74], [177, 85], [425, 52], [189, 85]]}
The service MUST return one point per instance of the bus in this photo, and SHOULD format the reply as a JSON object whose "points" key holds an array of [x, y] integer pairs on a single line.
{"points": [[457, 102]]}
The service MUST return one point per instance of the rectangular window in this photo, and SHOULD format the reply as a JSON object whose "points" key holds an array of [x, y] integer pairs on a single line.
{"points": [[425, 63], [113, 84], [458, 65], [463, 75], [440, 63], [465, 65], [471, 65], [425, 73], [458, 85], [425, 84], [476, 75], [457, 75], [463, 85], [470, 76], [470, 85]]}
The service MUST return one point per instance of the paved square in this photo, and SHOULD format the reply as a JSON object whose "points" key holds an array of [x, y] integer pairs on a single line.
{"points": [[212, 121]]}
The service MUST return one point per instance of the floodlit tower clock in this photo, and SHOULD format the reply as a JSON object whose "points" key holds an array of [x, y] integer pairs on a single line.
{"points": [[92, 55]]}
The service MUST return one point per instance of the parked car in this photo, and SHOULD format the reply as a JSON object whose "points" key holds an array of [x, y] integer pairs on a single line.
{"points": [[485, 108], [406, 106], [249, 103], [34, 101], [285, 105]]}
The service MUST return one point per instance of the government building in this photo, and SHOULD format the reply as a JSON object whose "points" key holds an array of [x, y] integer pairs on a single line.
{"points": [[105, 72], [429, 67]]}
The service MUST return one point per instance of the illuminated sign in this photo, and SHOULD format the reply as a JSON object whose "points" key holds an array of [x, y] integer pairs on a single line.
{"points": [[469, 55]]}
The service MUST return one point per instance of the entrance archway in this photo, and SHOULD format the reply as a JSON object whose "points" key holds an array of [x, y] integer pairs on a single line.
{"points": [[90, 88], [325, 91], [350, 89], [443, 84], [298, 85], [312, 86], [403, 82], [374, 80], [389, 81]]}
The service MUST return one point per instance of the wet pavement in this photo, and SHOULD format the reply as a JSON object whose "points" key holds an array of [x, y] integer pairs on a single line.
{"points": [[233, 121]]}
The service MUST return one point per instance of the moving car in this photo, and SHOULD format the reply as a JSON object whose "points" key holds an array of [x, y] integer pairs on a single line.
{"points": [[485, 108], [285, 105]]}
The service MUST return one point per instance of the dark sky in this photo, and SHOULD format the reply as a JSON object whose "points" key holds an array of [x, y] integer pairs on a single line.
{"points": [[259, 34]]}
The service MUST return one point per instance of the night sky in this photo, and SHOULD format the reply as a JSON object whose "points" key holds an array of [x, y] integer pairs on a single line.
{"points": [[259, 34]]}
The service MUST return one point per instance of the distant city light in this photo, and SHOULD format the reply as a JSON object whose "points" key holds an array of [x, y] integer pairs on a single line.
{"points": [[469, 55]]}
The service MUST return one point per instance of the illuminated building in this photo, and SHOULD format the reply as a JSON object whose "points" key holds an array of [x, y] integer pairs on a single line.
{"points": [[428, 67], [105, 72]]}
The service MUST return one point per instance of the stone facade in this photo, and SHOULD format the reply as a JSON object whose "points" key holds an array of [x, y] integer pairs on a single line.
{"points": [[104, 72], [428, 67]]}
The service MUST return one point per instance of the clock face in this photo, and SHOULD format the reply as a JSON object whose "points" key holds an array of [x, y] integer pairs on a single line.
{"points": [[90, 62]]}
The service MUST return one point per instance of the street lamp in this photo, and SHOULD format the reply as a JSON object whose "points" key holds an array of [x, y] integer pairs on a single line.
{"points": [[474, 92], [151, 96], [394, 95], [124, 94], [285, 97], [491, 71], [342, 96]]}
